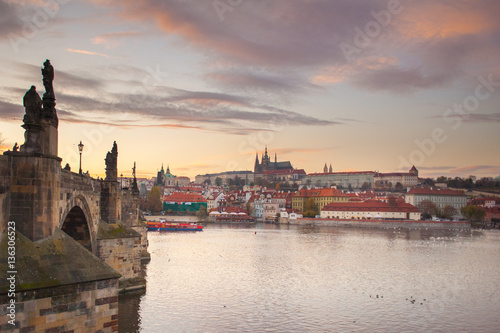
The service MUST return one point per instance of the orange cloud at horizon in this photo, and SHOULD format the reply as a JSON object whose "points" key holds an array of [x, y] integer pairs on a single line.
{"points": [[87, 52], [434, 20], [340, 73]]}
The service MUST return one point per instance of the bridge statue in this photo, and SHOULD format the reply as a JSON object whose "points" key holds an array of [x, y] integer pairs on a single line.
{"points": [[112, 163], [48, 77], [33, 105]]}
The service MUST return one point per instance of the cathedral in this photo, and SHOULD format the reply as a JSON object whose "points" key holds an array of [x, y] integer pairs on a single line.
{"points": [[267, 165], [276, 171]]}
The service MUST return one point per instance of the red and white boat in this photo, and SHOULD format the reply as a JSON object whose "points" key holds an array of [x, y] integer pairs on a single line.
{"points": [[173, 226]]}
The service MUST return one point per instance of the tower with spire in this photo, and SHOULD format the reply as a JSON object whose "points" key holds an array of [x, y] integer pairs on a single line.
{"points": [[266, 165]]}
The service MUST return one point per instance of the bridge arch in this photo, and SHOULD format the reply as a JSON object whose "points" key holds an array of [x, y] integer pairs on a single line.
{"points": [[78, 223]]}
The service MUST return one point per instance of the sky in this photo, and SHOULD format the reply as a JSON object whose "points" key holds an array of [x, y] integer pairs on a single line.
{"points": [[203, 86]]}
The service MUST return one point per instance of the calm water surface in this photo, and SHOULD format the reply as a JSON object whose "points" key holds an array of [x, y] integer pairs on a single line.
{"points": [[267, 278]]}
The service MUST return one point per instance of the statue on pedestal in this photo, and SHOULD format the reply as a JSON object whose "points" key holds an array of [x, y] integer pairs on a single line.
{"points": [[48, 77], [135, 188], [33, 105], [49, 98], [112, 163]]}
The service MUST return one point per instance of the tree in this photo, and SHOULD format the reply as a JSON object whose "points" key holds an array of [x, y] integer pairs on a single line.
{"points": [[366, 186], [448, 212], [428, 208], [473, 213], [202, 213], [310, 208], [442, 179], [277, 188], [154, 203], [428, 182], [218, 181], [399, 187], [207, 181]]}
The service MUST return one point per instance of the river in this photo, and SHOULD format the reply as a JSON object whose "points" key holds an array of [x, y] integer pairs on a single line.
{"points": [[272, 278]]}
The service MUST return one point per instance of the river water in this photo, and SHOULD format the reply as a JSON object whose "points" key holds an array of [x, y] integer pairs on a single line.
{"points": [[272, 278]]}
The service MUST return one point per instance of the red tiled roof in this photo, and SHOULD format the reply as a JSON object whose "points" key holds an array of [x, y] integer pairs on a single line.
{"points": [[229, 209], [434, 191], [341, 173], [322, 192], [184, 197], [370, 205]]}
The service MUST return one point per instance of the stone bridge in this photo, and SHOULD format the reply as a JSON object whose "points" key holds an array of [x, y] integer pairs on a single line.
{"points": [[41, 197], [68, 243]]}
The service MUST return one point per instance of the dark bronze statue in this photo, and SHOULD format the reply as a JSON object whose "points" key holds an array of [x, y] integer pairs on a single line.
{"points": [[33, 104], [112, 163], [48, 77]]}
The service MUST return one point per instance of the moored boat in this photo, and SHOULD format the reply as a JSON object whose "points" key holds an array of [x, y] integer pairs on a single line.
{"points": [[173, 226]]}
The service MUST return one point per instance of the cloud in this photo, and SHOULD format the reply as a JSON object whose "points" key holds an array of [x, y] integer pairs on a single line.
{"points": [[10, 111], [432, 43], [9, 20], [284, 151], [477, 117], [261, 82], [435, 168], [482, 169], [113, 39], [91, 98], [87, 52]]}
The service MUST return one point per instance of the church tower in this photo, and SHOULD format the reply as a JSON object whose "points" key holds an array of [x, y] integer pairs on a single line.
{"points": [[256, 168], [265, 161]]}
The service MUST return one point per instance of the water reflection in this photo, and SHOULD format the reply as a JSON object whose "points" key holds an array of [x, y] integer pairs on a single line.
{"points": [[129, 319], [281, 278]]}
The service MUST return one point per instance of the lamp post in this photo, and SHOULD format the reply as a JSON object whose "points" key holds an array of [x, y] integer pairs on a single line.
{"points": [[80, 149]]}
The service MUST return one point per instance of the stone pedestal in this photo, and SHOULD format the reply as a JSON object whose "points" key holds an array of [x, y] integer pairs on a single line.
{"points": [[49, 140], [34, 194], [109, 201], [32, 138]]}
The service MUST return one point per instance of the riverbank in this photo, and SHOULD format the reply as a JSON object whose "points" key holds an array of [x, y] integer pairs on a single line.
{"points": [[407, 224]]}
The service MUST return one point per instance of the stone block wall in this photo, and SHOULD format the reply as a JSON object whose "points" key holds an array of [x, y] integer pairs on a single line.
{"points": [[123, 255], [129, 208], [109, 201], [4, 191], [84, 307], [34, 194]]}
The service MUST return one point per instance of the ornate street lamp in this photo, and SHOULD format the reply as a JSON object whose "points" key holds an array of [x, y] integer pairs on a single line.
{"points": [[80, 149]]}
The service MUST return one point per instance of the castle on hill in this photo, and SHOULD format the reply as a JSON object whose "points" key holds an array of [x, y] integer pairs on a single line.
{"points": [[268, 170]]}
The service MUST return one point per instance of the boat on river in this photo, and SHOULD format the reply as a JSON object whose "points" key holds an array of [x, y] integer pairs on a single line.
{"points": [[173, 226]]}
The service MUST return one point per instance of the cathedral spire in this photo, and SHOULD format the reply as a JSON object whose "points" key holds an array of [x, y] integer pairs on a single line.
{"points": [[275, 157], [331, 169], [256, 167], [325, 169]]}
